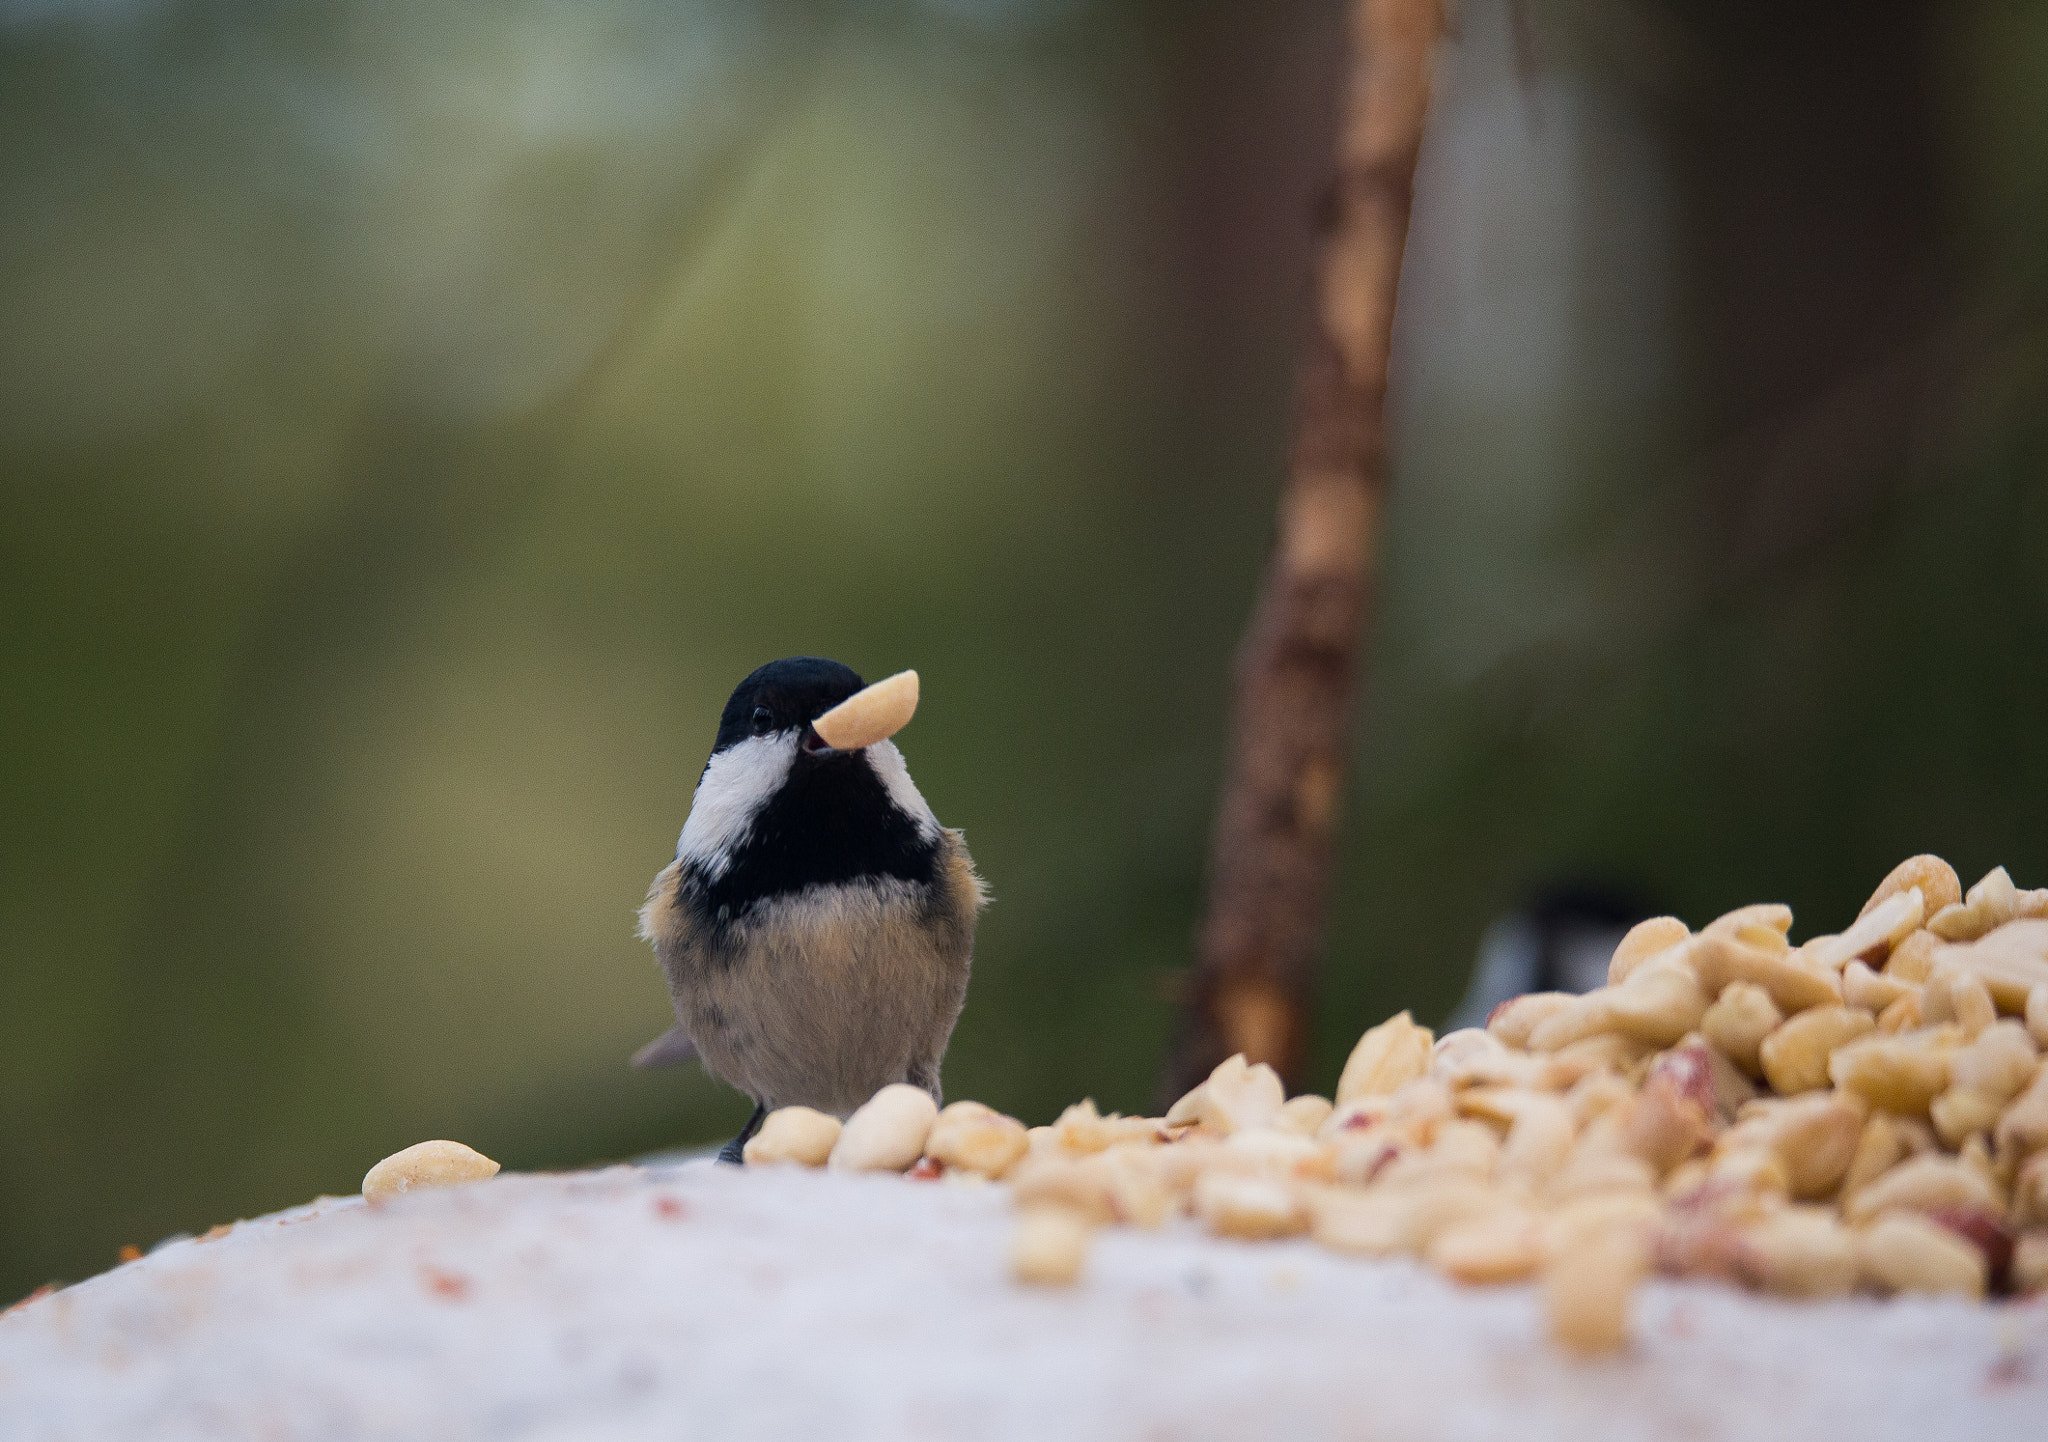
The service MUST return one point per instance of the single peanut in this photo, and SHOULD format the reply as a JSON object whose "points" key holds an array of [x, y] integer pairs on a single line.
{"points": [[1983, 1077], [2029, 1270], [1304, 1115], [1253, 1207], [1506, 1246], [1957, 996], [1048, 1246], [2023, 1126], [1902, 1015], [870, 715], [1795, 1056], [1902, 1074], [2037, 1015], [1913, 959], [1659, 1003], [1763, 925], [1366, 1223], [1907, 1253], [887, 1133], [1644, 940], [1237, 1097], [1387, 1057], [1586, 1290], [1937, 880], [1537, 1143], [1873, 991], [2030, 1192], [1881, 927], [1514, 1019], [1663, 1125], [1082, 1129], [1924, 1184], [1880, 1147], [1816, 1135], [1738, 1022], [1749, 1168], [1799, 1252], [426, 1164], [972, 1138], [793, 1134]]}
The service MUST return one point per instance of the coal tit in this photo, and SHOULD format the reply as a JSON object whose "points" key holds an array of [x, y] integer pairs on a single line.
{"points": [[817, 922]]}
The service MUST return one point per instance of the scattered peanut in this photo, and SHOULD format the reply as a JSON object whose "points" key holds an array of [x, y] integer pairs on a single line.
{"points": [[1913, 959], [1873, 991], [1236, 1097], [1505, 1246], [1902, 1074], [2010, 962], [1795, 1056], [1907, 1253], [1868, 1108], [1391, 1054], [1721, 958], [970, 1137], [1988, 905], [1586, 1290], [1958, 996], [1739, 1021], [1048, 1246], [1644, 940], [1925, 1184], [887, 1134], [1883, 925], [426, 1164], [1939, 886], [2023, 1128], [1983, 1077], [1514, 1020], [2030, 1192], [793, 1134], [1799, 1252], [1248, 1206], [1304, 1115], [2030, 1263]]}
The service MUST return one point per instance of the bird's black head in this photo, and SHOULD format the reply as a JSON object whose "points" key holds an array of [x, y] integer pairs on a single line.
{"points": [[778, 811], [784, 695]]}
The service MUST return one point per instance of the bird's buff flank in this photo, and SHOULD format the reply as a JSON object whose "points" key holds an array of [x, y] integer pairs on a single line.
{"points": [[817, 923]]}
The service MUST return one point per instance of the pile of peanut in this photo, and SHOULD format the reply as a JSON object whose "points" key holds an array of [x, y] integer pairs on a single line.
{"points": [[1866, 1111]]}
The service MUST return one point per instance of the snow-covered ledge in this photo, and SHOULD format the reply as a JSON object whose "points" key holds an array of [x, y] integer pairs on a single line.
{"points": [[689, 1301]]}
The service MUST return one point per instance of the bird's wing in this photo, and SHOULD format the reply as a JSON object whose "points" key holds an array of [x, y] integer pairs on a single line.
{"points": [[671, 1048]]}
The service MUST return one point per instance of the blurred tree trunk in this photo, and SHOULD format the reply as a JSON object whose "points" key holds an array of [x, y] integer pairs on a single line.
{"points": [[1270, 856]]}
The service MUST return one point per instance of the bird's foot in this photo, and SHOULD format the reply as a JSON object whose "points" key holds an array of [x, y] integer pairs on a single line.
{"points": [[734, 1152]]}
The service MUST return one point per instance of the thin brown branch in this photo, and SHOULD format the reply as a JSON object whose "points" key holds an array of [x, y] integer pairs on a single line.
{"points": [[1270, 855]]}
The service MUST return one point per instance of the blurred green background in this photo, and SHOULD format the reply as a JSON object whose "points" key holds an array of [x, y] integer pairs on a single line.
{"points": [[415, 417]]}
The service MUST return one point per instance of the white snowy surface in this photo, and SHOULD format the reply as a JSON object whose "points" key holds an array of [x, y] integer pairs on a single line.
{"points": [[692, 1301]]}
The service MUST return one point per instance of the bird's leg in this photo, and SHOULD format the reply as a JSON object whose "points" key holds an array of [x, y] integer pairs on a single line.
{"points": [[924, 1075], [734, 1152]]}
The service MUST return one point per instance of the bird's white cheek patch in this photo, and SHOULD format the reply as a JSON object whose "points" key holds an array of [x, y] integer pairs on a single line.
{"points": [[736, 784], [887, 762]]}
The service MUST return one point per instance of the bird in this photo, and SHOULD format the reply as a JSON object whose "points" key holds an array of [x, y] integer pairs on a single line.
{"points": [[1559, 941], [816, 927]]}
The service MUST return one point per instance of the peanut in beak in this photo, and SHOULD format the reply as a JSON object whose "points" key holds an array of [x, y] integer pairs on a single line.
{"points": [[873, 714]]}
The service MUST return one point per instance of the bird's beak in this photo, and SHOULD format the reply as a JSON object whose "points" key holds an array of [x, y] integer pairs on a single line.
{"points": [[870, 715]]}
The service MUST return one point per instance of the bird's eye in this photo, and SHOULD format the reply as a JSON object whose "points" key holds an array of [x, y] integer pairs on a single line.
{"points": [[764, 721]]}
